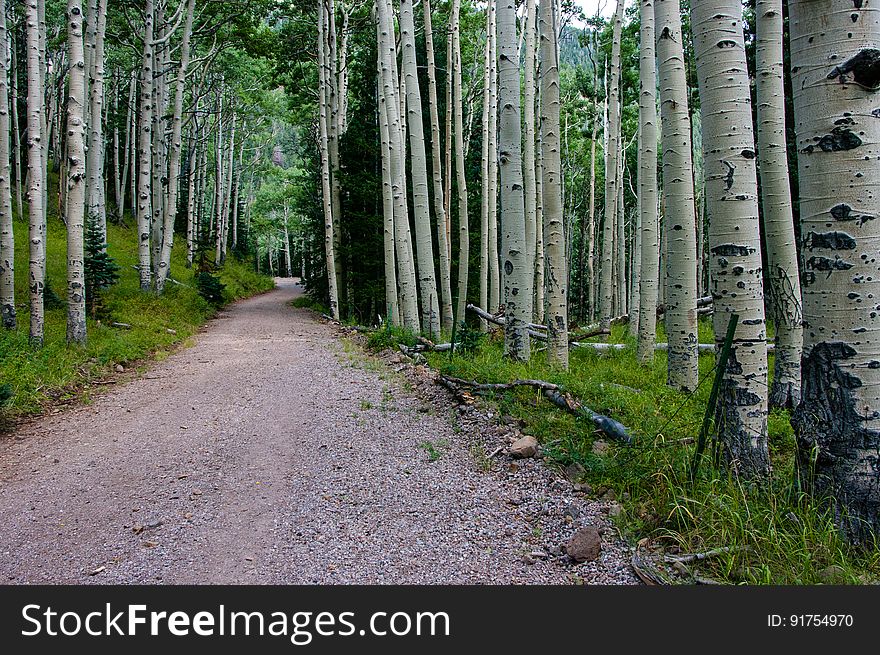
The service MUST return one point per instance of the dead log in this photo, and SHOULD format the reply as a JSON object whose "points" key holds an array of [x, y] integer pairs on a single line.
{"points": [[496, 320], [556, 395]]}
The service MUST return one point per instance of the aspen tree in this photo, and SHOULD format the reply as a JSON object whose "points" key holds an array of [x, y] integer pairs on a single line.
{"points": [[36, 213], [607, 284], [325, 162], [649, 225], [419, 170], [95, 164], [782, 258], [486, 155], [529, 166], [76, 176], [7, 238], [734, 231], [837, 424], [517, 280], [437, 177], [392, 306], [492, 237], [460, 179], [145, 158], [678, 199], [555, 261]]}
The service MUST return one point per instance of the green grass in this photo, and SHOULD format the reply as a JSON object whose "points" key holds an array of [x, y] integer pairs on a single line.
{"points": [[776, 536], [57, 372]]}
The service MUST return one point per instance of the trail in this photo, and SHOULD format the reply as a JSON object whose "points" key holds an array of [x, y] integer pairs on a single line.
{"points": [[266, 453]]}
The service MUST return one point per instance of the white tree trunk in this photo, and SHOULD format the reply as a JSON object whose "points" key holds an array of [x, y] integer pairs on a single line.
{"points": [[650, 274], [782, 257], [437, 176], [734, 231], [145, 158], [170, 213], [460, 178], [7, 239], [517, 280], [529, 189], [76, 176], [556, 275], [36, 213], [329, 249], [678, 195], [494, 271], [485, 163], [607, 283], [837, 424], [95, 88], [392, 304], [406, 276], [419, 168]]}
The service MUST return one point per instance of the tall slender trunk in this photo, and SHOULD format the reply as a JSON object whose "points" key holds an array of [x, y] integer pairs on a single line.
{"points": [[529, 191], [333, 135], [517, 281], [485, 157], [329, 249], [678, 198], [192, 181], [437, 176], [76, 176], [554, 239], [170, 211], [607, 282], [95, 164], [782, 257], [130, 134], [406, 276], [392, 304], [36, 213], [419, 169], [734, 231], [16, 132], [837, 423], [464, 236], [649, 224], [494, 271], [635, 308], [7, 238], [145, 159]]}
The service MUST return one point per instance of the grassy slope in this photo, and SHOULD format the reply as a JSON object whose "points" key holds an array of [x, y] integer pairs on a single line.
{"points": [[56, 372], [778, 535]]}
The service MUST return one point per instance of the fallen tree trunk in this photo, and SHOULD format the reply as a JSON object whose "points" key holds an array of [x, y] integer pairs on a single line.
{"points": [[556, 395], [702, 347]]}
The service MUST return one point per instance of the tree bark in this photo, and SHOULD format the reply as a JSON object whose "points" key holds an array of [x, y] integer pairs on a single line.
{"points": [[392, 304], [437, 177], [517, 280], [837, 424], [650, 273], [464, 236], [529, 168], [678, 195], [782, 257], [95, 164], [734, 232], [7, 238], [36, 213], [329, 249], [556, 275], [485, 157], [145, 159], [76, 176], [492, 237]]}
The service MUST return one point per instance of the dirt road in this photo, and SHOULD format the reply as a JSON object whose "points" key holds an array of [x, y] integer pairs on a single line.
{"points": [[266, 453]]}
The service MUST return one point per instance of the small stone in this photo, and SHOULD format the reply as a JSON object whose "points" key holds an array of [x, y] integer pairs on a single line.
{"points": [[170, 331], [585, 545], [527, 446], [120, 368], [615, 510], [608, 495], [575, 472], [833, 574], [600, 448]]}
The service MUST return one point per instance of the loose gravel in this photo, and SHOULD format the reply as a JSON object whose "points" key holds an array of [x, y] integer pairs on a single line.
{"points": [[276, 451]]}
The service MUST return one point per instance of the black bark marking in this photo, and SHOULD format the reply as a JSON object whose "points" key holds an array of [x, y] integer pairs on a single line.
{"points": [[843, 212], [508, 267], [825, 264], [732, 250], [728, 179], [748, 154], [865, 69], [835, 442], [841, 138], [829, 240]]}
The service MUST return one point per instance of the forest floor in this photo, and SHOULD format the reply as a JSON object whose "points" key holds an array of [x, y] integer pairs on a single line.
{"points": [[275, 450]]}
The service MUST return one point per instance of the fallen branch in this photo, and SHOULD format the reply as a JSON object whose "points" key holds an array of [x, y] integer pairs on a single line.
{"points": [[556, 395], [702, 347], [121, 326], [496, 320], [699, 557]]}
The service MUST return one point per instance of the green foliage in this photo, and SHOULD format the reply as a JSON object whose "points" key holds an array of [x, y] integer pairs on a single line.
{"points": [[775, 535], [210, 288], [51, 300], [389, 336], [101, 271], [5, 394], [468, 339]]}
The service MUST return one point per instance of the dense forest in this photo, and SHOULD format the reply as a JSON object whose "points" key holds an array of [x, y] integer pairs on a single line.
{"points": [[674, 198]]}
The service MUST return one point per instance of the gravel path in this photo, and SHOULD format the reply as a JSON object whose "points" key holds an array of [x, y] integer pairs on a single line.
{"points": [[274, 452]]}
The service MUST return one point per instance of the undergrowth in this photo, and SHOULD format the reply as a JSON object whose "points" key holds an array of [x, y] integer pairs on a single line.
{"points": [[773, 534], [39, 378]]}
